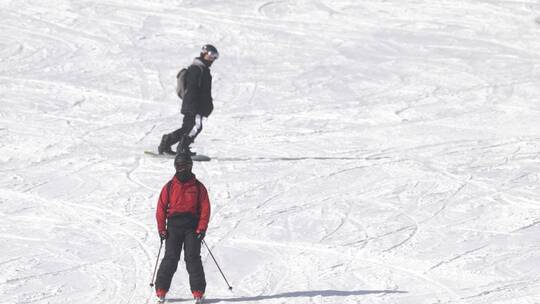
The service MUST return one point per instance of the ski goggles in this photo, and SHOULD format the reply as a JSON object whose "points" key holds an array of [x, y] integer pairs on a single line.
{"points": [[213, 55], [183, 167]]}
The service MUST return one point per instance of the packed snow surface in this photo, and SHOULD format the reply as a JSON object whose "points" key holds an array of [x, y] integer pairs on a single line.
{"points": [[363, 151]]}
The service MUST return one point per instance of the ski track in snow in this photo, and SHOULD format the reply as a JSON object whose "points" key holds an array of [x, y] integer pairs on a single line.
{"points": [[363, 151]]}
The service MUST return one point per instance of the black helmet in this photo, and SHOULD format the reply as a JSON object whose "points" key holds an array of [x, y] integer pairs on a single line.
{"points": [[210, 50], [183, 161]]}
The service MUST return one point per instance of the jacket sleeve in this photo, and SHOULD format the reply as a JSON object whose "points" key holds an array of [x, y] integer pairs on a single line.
{"points": [[189, 104], [204, 209], [161, 210], [208, 109]]}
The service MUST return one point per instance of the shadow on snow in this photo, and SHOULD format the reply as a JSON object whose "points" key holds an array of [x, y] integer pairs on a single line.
{"points": [[297, 294]]}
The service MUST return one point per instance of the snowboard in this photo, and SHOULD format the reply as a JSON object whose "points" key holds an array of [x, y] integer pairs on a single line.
{"points": [[196, 157]]}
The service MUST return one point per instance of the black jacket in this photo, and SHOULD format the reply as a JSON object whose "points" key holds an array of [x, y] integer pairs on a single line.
{"points": [[198, 98]]}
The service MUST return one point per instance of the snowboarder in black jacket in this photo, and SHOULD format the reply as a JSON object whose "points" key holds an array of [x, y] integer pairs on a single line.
{"points": [[196, 105]]}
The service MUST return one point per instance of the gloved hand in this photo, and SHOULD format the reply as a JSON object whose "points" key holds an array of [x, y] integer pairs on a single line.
{"points": [[200, 234], [163, 235]]}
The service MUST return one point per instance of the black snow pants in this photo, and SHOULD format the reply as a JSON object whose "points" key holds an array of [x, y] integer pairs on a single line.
{"points": [[192, 256], [191, 127]]}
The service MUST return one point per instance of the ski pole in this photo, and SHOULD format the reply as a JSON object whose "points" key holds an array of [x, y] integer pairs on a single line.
{"points": [[230, 287], [155, 268]]}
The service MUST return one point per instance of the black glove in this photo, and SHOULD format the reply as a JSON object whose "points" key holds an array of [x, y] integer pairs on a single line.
{"points": [[200, 234], [163, 235]]}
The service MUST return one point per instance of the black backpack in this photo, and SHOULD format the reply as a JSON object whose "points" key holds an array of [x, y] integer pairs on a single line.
{"points": [[181, 85]]}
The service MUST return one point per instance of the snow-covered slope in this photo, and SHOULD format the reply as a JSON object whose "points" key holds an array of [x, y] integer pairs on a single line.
{"points": [[366, 151]]}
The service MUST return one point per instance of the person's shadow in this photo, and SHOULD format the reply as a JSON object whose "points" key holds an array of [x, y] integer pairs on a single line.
{"points": [[296, 294]]}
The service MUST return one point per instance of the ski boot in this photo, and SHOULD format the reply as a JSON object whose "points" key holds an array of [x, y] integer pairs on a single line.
{"points": [[161, 293], [165, 145], [198, 296]]}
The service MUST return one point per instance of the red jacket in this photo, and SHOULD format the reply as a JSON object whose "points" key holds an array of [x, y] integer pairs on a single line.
{"points": [[188, 197]]}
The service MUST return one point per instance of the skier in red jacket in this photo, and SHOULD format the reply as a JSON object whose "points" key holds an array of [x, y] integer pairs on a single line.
{"points": [[182, 214]]}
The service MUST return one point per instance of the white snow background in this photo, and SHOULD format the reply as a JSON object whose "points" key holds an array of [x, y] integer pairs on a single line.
{"points": [[364, 151]]}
